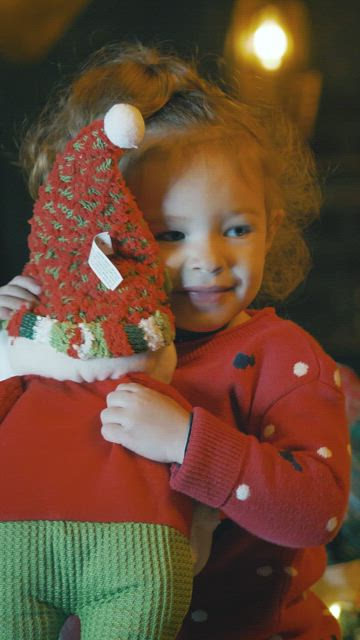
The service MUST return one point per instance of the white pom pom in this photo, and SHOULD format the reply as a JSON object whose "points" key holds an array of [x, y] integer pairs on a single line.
{"points": [[124, 126]]}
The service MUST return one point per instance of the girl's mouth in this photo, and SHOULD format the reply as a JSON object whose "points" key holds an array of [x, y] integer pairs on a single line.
{"points": [[206, 296]]}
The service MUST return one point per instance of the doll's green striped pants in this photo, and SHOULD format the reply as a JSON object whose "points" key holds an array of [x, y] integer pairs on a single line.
{"points": [[125, 581]]}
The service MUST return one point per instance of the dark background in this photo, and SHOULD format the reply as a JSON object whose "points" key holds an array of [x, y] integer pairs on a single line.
{"points": [[328, 304]]}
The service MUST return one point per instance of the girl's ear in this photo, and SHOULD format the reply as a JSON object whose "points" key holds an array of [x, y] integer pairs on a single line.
{"points": [[275, 220]]}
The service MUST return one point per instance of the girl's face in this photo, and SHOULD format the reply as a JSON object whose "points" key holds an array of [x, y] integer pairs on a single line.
{"points": [[212, 229]]}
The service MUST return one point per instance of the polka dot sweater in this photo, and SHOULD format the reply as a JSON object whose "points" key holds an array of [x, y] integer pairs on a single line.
{"points": [[269, 447]]}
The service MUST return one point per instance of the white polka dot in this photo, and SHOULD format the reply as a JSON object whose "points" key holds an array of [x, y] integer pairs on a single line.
{"points": [[300, 369], [332, 524], [264, 571], [291, 571], [324, 452], [269, 430], [337, 377], [199, 615], [349, 449], [243, 492]]}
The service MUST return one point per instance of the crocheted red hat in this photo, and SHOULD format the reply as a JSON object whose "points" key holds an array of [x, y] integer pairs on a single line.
{"points": [[104, 288]]}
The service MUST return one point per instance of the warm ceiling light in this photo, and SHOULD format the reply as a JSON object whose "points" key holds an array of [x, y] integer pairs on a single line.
{"points": [[270, 44], [335, 609]]}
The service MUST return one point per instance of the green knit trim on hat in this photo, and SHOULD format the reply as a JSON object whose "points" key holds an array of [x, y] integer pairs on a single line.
{"points": [[99, 347], [88, 338], [164, 324], [136, 338], [27, 326], [60, 336]]}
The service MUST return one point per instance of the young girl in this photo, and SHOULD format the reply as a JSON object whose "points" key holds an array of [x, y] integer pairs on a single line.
{"points": [[226, 191]]}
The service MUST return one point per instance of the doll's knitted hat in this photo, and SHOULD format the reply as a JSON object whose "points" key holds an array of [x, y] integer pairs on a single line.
{"points": [[104, 289]]}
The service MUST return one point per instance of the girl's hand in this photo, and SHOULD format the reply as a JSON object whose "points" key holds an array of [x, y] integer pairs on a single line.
{"points": [[18, 291], [147, 422]]}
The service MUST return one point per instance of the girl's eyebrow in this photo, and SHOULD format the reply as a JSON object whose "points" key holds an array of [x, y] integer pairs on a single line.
{"points": [[183, 218], [244, 211], [176, 217], [232, 212]]}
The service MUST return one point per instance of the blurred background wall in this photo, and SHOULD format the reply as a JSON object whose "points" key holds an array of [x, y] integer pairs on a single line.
{"points": [[42, 42]]}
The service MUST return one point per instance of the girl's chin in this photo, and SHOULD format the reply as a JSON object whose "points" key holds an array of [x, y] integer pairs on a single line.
{"points": [[201, 327], [189, 319]]}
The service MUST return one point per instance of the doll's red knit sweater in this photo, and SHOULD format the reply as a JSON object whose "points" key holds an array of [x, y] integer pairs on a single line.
{"points": [[55, 464], [269, 448]]}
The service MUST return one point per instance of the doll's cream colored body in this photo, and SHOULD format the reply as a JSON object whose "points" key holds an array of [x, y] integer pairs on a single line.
{"points": [[26, 357]]}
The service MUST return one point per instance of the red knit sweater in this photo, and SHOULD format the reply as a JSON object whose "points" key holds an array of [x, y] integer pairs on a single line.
{"points": [[55, 464], [269, 447]]}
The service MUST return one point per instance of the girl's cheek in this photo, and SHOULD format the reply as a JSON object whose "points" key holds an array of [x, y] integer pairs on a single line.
{"points": [[170, 257]]}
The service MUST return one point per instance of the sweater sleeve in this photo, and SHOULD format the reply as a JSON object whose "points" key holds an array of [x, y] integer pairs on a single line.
{"points": [[289, 482]]}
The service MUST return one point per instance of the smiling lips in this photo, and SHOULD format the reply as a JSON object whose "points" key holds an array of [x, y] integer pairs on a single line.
{"points": [[205, 296]]}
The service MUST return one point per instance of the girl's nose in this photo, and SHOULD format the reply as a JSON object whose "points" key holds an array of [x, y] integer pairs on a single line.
{"points": [[207, 259], [208, 268]]}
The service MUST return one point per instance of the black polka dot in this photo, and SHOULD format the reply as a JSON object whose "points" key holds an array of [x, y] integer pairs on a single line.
{"points": [[242, 360], [289, 456]]}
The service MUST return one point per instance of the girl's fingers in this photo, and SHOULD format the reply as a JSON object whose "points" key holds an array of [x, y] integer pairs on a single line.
{"points": [[13, 300], [117, 398], [8, 306], [4, 313], [131, 387], [113, 399], [111, 414], [27, 283], [18, 291], [113, 433]]}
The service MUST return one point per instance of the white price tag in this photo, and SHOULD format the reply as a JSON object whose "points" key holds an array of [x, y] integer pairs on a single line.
{"points": [[99, 262]]}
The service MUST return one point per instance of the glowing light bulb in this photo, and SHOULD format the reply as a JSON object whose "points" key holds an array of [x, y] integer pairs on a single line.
{"points": [[335, 609], [270, 44]]}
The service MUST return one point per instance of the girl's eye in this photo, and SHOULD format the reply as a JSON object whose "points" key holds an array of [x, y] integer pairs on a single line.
{"points": [[170, 236], [237, 231]]}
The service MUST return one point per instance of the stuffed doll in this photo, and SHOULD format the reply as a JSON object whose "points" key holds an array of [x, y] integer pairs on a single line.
{"points": [[88, 527]]}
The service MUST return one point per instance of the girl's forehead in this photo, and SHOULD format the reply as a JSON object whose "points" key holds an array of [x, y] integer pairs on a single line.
{"points": [[206, 178], [180, 154]]}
